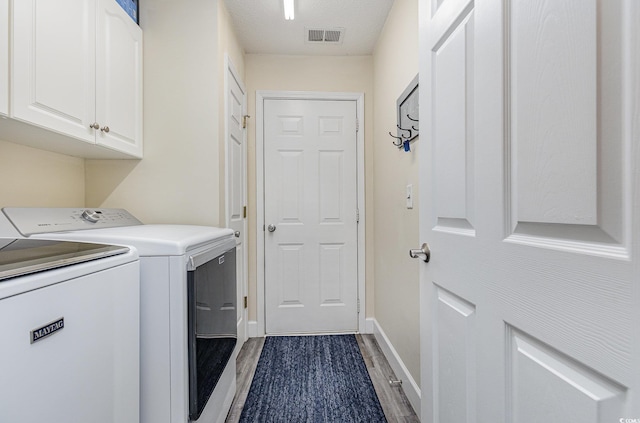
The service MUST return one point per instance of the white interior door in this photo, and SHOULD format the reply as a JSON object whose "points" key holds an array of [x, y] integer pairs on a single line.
{"points": [[236, 164], [310, 203], [529, 190]]}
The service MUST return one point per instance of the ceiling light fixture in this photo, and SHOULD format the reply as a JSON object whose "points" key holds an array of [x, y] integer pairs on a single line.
{"points": [[288, 9]]}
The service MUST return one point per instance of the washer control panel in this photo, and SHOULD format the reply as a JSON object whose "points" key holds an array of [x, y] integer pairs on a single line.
{"points": [[35, 220]]}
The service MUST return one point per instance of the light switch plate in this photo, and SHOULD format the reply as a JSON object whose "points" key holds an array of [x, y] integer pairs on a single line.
{"points": [[409, 196]]}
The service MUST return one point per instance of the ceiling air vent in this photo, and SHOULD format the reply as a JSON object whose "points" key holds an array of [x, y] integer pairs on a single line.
{"points": [[315, 36], [332, 36], [325, 36]]}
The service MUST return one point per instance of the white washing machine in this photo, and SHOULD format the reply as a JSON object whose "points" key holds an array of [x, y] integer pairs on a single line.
{"points": [[69, 338], [188, 326]]}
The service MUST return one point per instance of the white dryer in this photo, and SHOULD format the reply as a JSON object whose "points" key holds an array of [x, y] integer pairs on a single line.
{"points": [[188, 324]]}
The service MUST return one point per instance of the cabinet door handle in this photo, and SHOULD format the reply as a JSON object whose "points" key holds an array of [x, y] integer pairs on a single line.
{"points": [[105, 129], [95, 125]]}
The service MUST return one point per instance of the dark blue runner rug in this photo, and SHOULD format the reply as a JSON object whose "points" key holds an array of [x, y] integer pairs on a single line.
{"points": [[311, 379]]}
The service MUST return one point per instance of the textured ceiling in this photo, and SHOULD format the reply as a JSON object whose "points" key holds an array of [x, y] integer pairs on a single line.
{"points": [[262, 29]]}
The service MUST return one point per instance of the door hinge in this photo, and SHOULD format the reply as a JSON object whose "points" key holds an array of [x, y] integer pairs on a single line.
{"points": [[357, 215], [357, 125], [358, 305], [246, 302], [244, 212]]}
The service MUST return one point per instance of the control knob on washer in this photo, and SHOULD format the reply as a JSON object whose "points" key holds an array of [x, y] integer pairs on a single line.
{"points": [[90, 216]]}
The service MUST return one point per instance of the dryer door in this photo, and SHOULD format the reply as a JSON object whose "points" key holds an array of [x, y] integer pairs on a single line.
{"points": [[212, 325]]}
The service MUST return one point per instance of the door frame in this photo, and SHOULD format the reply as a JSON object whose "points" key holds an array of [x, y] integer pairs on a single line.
{"points": [[261, 96], [231, 72]]}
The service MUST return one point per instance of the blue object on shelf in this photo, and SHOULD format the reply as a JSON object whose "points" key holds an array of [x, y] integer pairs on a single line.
{"points": [[131, 7]]}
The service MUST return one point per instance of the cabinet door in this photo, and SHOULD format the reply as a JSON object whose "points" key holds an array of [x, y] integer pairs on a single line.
{"points": [[118, 80], [53, 83], [4, 57]]}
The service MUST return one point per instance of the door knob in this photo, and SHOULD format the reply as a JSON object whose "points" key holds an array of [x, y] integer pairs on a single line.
{"points": [[237, 234], [271, 228], [423, 252]]}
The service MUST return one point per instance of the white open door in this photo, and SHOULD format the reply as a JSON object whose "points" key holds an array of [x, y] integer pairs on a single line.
{"points": [[530, 203], [236, 165]]}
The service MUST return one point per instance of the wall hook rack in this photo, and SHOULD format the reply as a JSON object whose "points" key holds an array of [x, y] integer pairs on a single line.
{"points": [[407, 126]]}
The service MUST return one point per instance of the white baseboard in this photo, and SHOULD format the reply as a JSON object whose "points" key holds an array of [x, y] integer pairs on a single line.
{"points": [[369, 324], [252, 329], [409, 385], [242, 337]]}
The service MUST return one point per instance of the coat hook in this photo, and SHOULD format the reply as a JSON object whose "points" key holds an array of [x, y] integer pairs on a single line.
{"points": [[399, 143], [409, 130], [414, 120]]}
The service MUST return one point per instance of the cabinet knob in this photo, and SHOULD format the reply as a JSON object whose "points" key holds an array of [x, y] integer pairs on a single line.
{"points": [[95, 125], [105, 129]]}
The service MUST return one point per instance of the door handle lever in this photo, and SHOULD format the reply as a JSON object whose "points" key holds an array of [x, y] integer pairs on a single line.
{"points": [[423, 252]]}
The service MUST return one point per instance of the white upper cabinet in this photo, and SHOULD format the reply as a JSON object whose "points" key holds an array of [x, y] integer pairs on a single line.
{"points": [[53, 82], [4, 57], [118, 80], [77, 73]]}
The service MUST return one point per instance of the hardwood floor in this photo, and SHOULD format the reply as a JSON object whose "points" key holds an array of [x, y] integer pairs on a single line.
{"points": [[394, 403], [245, 368]]}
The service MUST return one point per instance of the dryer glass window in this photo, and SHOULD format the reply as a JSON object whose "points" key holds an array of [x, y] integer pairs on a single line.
{"points": [[212, 326]]}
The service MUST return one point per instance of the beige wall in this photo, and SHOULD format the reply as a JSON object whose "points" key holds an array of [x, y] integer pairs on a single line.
{"points": [[396, 227], [178, 180], [308, 73], [37, 178]]}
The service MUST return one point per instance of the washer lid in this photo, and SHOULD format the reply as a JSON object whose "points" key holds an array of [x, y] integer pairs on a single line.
{"points": [[23, 256]]}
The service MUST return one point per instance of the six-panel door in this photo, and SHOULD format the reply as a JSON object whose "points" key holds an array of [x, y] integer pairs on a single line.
{"points": [[310, 188], [530, 206]]}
